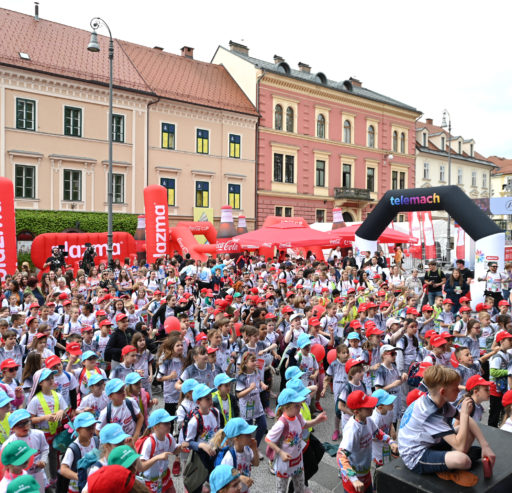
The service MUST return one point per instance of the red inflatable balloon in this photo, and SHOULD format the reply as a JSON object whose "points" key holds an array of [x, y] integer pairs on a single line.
{"points": [[319, 351], [172, 324], [331, 355]]}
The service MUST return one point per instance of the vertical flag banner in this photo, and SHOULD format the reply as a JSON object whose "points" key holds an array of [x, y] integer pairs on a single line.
{"points": [[415, 230], [460, 245], [428, 235], [8, 254], [157, 222]]}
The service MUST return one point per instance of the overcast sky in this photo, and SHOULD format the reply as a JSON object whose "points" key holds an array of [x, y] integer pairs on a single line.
{"points": [[431, 55]]}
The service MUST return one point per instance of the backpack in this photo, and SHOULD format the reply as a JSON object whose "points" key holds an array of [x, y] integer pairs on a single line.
{"points": [[222, 452], [269, 451], [129, 404], [412, 379], [200, 423], [81, 465], [140, 442], [501, 382]]}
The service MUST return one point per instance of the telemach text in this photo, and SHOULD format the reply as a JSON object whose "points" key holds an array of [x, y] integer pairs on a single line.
{"points": [[415, 200]]}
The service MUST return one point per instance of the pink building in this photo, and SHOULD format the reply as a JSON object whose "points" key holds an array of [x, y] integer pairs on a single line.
{"points": [[322, 143]]}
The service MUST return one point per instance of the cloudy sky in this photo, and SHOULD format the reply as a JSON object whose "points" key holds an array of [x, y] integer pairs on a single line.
{"points": [[431, 55]]}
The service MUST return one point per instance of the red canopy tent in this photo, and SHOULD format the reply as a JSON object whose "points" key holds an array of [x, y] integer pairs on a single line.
{"points": [[388, 236]]}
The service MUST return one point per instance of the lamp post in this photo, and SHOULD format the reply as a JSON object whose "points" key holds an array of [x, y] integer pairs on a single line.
{"points": [[94, 47], [444, 125]]}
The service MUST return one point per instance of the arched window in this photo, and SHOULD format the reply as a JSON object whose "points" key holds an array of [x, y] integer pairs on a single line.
{"points": [[395, 141], [289, 119], [320, 126], [278, 117], [347, 132], [371, 136], [402, 143]]}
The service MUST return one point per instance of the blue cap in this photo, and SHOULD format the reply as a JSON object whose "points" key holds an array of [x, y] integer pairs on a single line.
{"points": [[4, 399], [89, 354], [84, 420], [222, 378], [287, 396], [17, 416], [221, 476], [114, 385], [297, 385], [201, 390], [353, 335], [238, 426], [113, 433], [303, 340], [159, 416], [46, 373], [132, 378], [188, 385], [293, 372], [384, 397], [95, 378]]}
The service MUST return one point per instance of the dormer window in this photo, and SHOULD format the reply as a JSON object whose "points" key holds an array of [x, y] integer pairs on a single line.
{"points": [[424, 136]]}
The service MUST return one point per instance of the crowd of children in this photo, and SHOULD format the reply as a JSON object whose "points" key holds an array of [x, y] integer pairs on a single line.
{"points": [[81, 372]]}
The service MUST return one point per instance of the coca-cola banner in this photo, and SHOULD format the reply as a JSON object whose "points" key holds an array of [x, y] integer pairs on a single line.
{"points": [[8, 260], [123, 245], [157, 222]]}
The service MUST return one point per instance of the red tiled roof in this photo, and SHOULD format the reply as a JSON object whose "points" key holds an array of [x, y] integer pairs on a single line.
{"points": [[178, 77], [504, 165], [62, 50]]}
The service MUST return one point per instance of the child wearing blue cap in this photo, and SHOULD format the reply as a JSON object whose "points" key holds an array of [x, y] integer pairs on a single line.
{"points": [[89, 367], [96, 400], [111, 436], [224, 479], [156, 449], [85, 426], [134, 390], [306, 361], [186, 404], [223, 400], [238, 449], [5, 407], [382, 416], [20, 424]]}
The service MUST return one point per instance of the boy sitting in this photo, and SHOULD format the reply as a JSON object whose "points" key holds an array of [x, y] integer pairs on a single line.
{"points": [[427, 441]]}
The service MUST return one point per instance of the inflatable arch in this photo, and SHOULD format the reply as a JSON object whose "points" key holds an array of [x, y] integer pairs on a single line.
{"points": [[489, 238]]}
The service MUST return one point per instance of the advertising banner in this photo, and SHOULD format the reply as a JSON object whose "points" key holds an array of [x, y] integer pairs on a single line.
{"points": [[157, 222]]}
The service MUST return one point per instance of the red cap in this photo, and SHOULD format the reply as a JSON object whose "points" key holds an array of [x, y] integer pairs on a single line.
{"points": [[182, 300], [371, 304], [33, 305], [358, 399], [351, 363], [74, 348], [111, 478], [8, 363], [40, 335], [374, 331], [339, 299], [438, 340], [476, 380], [203, 290], [287, 309], [381, 293], [385, 304], [355, 324], [211, 350], [86, 328], [482, 306], [464, 309], [447, 301], [229, 298], [52, 361], [66, 303], [120, 316], [269, 295], [51, 303], [446, 335], [105, 322], [351, 290], [128, 349], [63, 296], [423, 366], [503, 335], [291, 293], [30, 319], [158, 292], [361, 288], [201, 337], [464, 299], [362, 308], [413, 395], [314, 321], [270, 316], [430, 333], [427, 308], [506, 400], [101, 313], [254, 290], [503, 303], [412, 311]]}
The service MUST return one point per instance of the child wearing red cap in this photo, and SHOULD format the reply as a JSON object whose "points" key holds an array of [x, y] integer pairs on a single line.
{"points": [[478, 390], [354, 455], [506, 401], [355, 372], [500, 378], [128, 358]]}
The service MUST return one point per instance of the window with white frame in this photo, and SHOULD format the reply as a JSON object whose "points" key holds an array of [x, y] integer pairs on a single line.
{"points": [[25, 114], [473, 178], [72, 121], [426, 171], [118, 188], [25, 182], [460, 179], [484, 180], [320, 173], [72, 185], [118, 128], [442, 173]]}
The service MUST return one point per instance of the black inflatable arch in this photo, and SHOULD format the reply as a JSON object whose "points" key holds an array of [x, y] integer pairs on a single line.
{"points": [[450, 199]]}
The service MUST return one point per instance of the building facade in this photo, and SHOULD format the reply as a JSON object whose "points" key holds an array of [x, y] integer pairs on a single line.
{"points": [[322, 144], [469, 170], [177, 122]]}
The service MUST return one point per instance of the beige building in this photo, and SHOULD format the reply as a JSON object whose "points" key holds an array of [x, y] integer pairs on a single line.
{"points": [[469, 170], [177, 121]]}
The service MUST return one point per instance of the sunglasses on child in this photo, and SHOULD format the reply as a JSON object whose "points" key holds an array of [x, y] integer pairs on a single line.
{"points": [[15, 368]]}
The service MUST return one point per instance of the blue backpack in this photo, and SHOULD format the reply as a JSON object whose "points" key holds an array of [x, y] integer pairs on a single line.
{"points": [[222, 452]]}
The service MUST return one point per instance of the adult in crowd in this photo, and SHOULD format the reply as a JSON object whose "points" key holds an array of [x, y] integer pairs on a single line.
{"points": [[434, 279], [455, 288]]}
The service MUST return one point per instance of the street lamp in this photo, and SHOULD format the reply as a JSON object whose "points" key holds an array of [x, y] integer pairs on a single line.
{"points": [[94, 47], [444, 125]]}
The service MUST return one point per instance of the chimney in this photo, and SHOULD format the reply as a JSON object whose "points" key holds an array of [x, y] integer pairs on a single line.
{"points": [[159, 48], [278, 59], [238, 48], [355, 82], [187, 52], [430, 121], [36, 11], [304, 67]]}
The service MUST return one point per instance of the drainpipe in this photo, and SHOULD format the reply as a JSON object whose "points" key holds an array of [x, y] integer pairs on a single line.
{"points": [[257, 142]]}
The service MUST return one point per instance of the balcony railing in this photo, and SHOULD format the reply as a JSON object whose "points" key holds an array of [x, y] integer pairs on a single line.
{"points": [[352, 194]]}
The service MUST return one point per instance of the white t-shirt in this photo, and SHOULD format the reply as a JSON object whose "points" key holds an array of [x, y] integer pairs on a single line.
{"points": [[383, 422], [97, 404], [36, 440], [158, 469], [68, 460], [120, 414], [5, 482], [243, 462], [65, 382], [34, 407], [507, 426], [210, 426]]}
